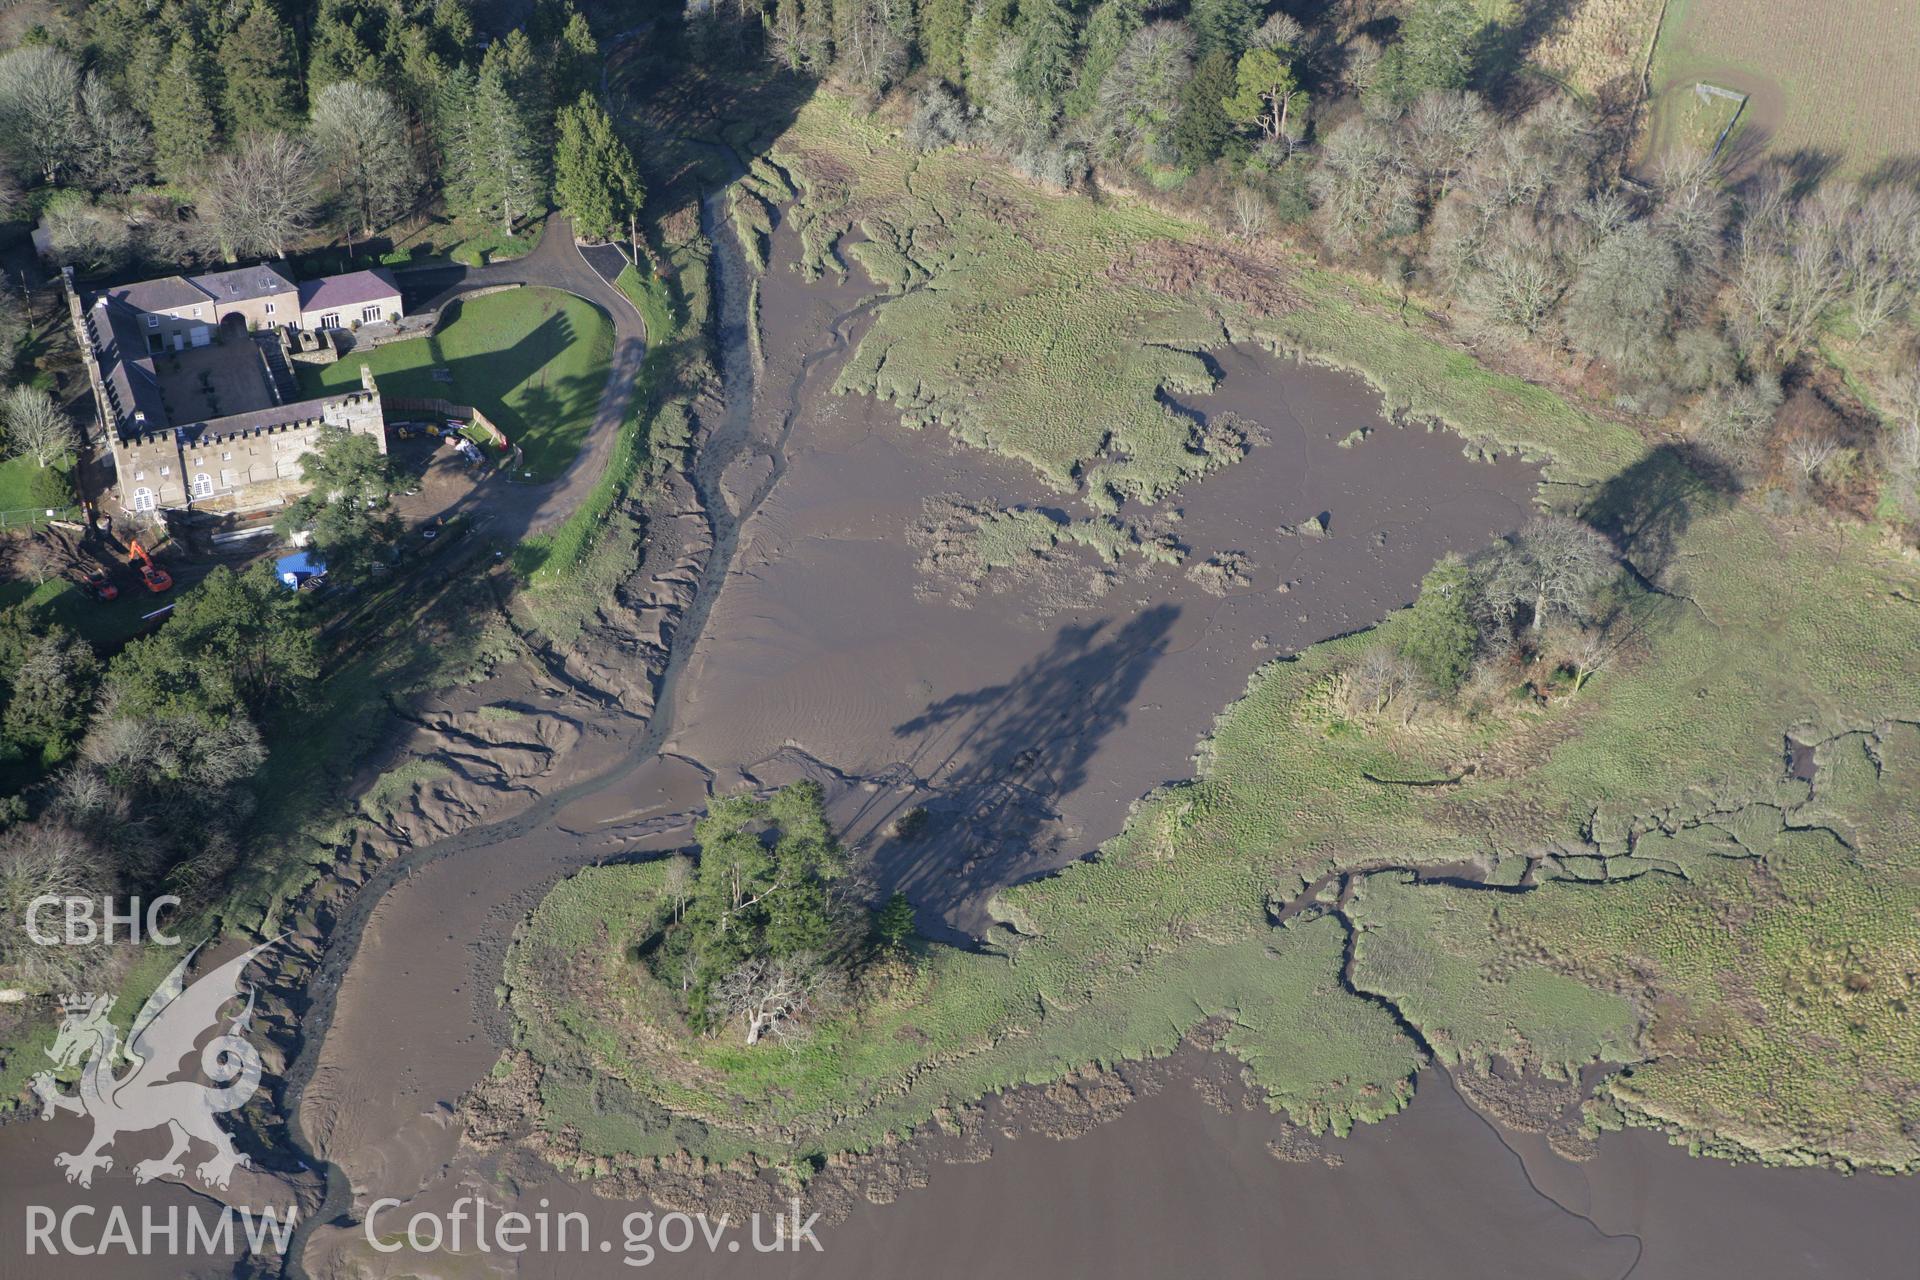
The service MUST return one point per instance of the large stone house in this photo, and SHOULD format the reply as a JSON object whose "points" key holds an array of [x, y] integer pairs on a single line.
{"points": [[177, 312], [199, 406], [259, 296]]}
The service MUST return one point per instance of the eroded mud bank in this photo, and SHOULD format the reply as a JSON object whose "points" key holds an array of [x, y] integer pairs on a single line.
{"points": [[786, 624]]}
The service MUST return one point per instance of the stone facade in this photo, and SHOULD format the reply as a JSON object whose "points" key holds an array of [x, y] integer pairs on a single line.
{"points": [[241, 462], [178, 328], [246, 462], [350, 301], [259, 297]]}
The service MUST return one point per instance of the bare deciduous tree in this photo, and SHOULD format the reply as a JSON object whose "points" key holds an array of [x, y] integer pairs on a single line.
{"points": [[360, 138], [1811, 452], [868, 48], [1903, 393], [1880, 253], [1587, 651], [1363, 187], [1521, 278], [1141, 91], [939, 119], [39, 108], [35, 425], [1621, 305], [1900, 460], [86, 235], [259, 199], [1693, 206], [40, 560], [38, 859], [1381, 675], [1553, 567], [790, 42], [1252, 212], [1788, 273], [776, 996], [1735, 421], [1016, 121], [1444, 130], [678, 883], [114, 153], [1279, 32]]}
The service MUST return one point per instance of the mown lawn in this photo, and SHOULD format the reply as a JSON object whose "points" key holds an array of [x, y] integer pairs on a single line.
{"points": [[16, 484], [533, 360]]}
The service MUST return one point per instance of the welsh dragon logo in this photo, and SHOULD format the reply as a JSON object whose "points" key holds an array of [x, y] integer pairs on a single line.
{"points": [[164, 1033]]}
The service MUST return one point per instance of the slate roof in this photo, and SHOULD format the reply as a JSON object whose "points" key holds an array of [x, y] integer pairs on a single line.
{"points": [[235, 424], [127, 369], [356, 288], [244, 284], [117, 325], [168, 293]]}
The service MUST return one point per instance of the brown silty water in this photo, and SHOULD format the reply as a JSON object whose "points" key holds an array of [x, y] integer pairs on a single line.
{"points": [[1027, 720]]}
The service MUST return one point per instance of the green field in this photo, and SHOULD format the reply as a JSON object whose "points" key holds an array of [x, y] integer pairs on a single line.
{"points": [[533, 360], [1825, 80], [1699, 921]]}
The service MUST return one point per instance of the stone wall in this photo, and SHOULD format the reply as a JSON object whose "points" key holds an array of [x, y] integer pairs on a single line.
{"points": [[245, 462], [234, 464]]}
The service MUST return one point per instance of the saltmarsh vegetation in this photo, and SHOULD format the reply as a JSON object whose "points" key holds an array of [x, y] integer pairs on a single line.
{"points": [[1696, 919], [1738, 943]]}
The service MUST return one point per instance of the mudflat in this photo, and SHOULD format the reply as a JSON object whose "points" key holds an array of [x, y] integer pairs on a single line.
{"points": [[1025, 707], [1029, 717], [1186, 1181], [1027, 710]]}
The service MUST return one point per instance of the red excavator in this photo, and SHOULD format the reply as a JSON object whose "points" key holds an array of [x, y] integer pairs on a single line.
{"points": [[156, 578], [97, 585]]}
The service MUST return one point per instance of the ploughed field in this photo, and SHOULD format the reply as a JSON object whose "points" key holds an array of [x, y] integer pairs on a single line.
{"points": [[1829, 83]]}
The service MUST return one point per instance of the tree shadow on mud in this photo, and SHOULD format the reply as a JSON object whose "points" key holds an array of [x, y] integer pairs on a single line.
{"points": [[998, 760], [1647, 508]]}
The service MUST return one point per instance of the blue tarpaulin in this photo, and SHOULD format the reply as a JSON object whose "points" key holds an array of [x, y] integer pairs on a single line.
{"points": [[297, 568]]}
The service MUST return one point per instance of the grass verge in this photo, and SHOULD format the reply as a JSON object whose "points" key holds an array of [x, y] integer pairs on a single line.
{"points": [[570, 572]]}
